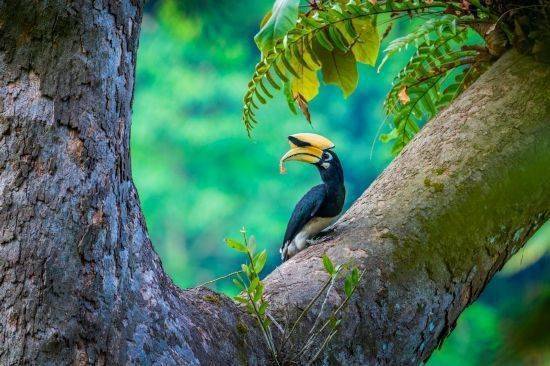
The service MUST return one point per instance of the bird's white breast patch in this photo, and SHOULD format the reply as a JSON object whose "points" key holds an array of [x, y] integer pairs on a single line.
{"points": [[313, 227]]}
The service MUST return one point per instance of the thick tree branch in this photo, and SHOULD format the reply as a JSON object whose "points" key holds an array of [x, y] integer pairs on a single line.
{"points": [[432, 230], [80, 282]]}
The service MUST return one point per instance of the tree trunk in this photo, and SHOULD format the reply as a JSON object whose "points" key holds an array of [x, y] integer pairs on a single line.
{"points": [[81, 284]]}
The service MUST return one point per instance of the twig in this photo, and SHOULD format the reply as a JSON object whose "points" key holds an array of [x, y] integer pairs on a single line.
{"points": [[323, 346], [287, 322], [277, 325], [309, 305], [266, 331], [318, 317], [323, 305], [310, 339], [218, 279]]}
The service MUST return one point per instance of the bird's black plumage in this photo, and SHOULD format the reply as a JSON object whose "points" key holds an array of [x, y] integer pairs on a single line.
{"points": [[305, 209], [323, 203]]}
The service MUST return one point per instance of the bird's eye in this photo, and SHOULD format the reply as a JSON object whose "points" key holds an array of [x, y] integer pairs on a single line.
{"points": [[327, 156]]}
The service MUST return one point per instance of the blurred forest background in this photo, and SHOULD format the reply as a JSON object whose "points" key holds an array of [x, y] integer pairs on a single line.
{"points": [[200, 178]]}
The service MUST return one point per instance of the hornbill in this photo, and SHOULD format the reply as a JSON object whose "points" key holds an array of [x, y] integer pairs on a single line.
{"points": [[321, 206]]}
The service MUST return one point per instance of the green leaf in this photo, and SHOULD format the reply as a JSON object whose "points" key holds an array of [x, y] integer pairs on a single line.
{"points": [[240, 299], [338, 68], [255, 281], [253, 104], [348, 286], [264, 89], [288, 66], [279, 72], [337, 38], [355, 276], [307, 84], [259, 261], [290, 98], [265, 19], [310, 22], [366, 44], [309, 50], [262, 308], [428, 105], [445, 100], [350, 29], [259, 292], [238, 283], [333, 322], [249, 307], [327, 263], [284, 16], [259, 96], [252, 244], [298, 55], [386, 137], [322, 39], [233, 244], [397, 147], [271, 80]]}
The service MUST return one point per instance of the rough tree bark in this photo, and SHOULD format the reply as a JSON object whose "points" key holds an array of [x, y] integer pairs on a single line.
{"points": [[81, 284]]}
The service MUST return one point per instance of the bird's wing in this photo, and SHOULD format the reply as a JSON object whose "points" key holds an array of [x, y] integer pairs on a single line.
{"points": [[304, 211]]}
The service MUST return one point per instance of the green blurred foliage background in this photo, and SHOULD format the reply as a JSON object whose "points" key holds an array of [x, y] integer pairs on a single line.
{"points": [[200, 177]]}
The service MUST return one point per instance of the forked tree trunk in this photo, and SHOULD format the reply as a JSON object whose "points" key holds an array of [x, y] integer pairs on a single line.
{"points": [[81, 284]]}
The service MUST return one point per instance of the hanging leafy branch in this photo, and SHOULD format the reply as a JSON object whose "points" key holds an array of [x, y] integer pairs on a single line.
{"points": [[333, 36]]}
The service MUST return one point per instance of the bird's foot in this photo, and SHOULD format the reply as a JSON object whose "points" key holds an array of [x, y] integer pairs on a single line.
{"points": [[320, 235], [310, 242]]}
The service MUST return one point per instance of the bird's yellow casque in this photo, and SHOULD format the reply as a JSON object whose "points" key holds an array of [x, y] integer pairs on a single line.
{"points": [[305, 147]]}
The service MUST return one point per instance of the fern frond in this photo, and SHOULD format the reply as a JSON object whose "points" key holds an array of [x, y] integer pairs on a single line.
{"points": [[438, 71], [422, 34]]}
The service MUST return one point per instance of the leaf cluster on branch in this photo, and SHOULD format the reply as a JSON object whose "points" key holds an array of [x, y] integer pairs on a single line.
{"points": [[442, 67], [332, 37], [290, 348]]}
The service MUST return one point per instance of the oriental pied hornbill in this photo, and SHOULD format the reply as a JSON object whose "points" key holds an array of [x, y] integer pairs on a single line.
{"points": [[321, 206]]}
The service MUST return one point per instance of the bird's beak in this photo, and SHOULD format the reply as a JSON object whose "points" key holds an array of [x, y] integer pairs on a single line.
{"points": [[305, 147], [307, 154]]}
